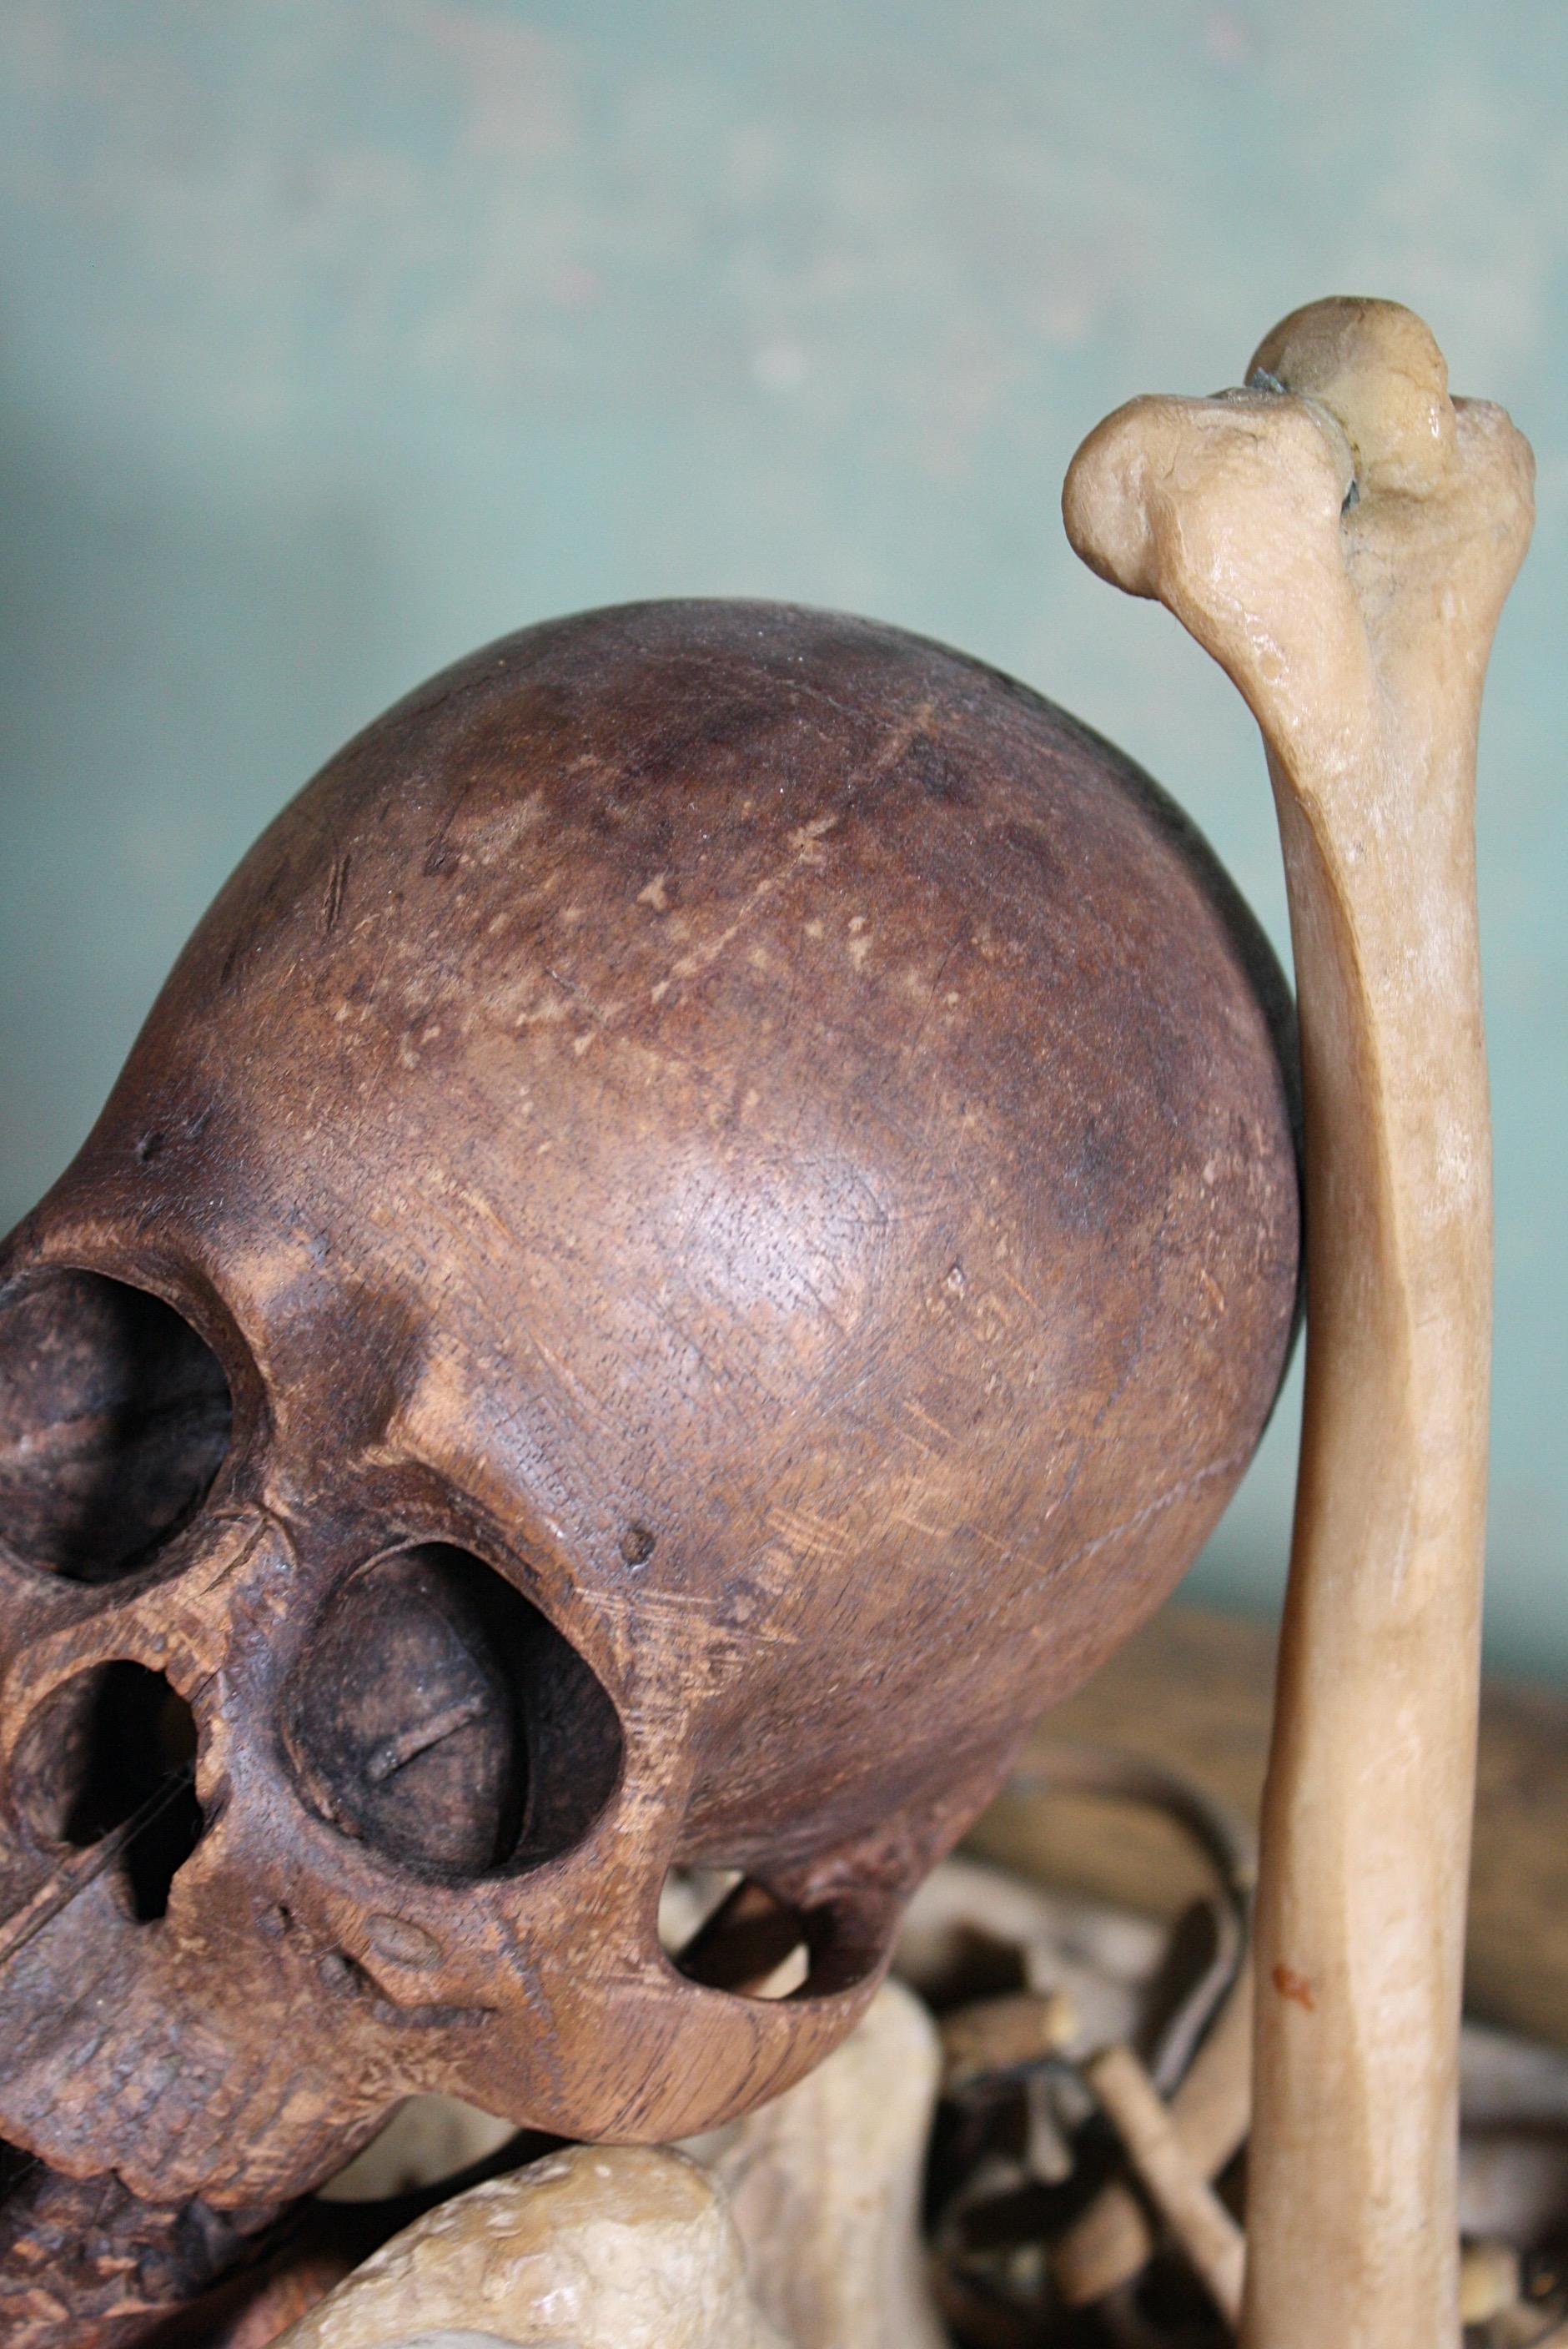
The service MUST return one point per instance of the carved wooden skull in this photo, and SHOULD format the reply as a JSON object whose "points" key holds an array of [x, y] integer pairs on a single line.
{"points": [[709, 1220]]}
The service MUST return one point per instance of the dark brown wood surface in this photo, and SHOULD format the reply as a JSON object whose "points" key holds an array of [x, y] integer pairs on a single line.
{"points": [[85, 2265], [720, 1206]]}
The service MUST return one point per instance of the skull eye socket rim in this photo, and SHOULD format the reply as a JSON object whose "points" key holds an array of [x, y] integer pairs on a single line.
{"points": [[117, 1420], [436, 1717]]}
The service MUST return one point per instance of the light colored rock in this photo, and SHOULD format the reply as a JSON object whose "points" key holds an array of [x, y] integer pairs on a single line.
{"points": [[446, 2340], [600, 2247]]}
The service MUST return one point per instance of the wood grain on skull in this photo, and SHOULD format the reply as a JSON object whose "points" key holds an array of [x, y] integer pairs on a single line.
{"points": [[775, 1145]]}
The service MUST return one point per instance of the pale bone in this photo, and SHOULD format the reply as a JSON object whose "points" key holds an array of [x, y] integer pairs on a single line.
{"points": [[1489, 2281], [824, 2185], [1359, 640], [1183, 2197], [601, 2247]]}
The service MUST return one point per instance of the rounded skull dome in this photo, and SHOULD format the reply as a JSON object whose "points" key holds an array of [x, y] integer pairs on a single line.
{"points": [[735, 1172]]}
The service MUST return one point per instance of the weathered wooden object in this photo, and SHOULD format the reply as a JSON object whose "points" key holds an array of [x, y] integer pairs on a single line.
{"points": [[1341, 537], [82, 2259], [706, 1223]]}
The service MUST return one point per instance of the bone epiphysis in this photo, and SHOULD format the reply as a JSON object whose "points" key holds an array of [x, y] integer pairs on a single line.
{"points": [[603, 2247]]}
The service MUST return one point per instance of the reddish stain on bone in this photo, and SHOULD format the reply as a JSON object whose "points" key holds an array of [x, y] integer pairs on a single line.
{"points": [[1290, 1984]]}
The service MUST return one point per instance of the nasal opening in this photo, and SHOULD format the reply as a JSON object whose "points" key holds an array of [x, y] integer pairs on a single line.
{"points": [[112, 1757]]}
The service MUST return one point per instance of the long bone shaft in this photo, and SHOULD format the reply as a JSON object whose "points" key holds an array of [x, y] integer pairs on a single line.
{"points": [[1341, 537]]}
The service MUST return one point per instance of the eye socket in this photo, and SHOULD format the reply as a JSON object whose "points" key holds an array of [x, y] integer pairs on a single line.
{"points": [[442, 1720], [115, 1418]]}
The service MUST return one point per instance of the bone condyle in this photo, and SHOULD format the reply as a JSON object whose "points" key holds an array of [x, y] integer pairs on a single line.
{"points": [[1341, 535], [620, 2248]]}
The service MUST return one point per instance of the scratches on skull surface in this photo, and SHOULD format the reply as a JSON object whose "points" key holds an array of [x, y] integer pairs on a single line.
{"points": [[235, 1563], [601, 1014], [806, 842], [336, 890], [816, 1536], [1150, 1510]]}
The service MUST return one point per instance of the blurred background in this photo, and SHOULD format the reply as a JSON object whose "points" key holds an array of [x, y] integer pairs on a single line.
{"points": [[335, 341]]}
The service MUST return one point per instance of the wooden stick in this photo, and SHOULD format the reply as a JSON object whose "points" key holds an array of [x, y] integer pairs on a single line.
{"points": [[1341, 537], [1113, 2240], [1180, 2192]]}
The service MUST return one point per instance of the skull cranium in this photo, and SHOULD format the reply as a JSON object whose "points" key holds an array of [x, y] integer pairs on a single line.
{"points": [[707, 1221]]}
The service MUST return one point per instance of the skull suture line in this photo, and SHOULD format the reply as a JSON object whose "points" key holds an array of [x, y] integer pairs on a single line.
{"points": [[706, 1223]]}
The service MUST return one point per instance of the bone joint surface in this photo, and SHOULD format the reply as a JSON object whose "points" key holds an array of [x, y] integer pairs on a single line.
{"points": [[594, 2248], [1340, 536]]}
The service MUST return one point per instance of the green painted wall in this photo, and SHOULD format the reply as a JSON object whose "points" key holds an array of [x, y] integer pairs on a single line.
{"points": [[337, 340]]}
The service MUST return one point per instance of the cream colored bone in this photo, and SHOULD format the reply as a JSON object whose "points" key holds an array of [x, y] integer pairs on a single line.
{"points": [[825, 2184], [1340, 537], [601, 2247]]}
